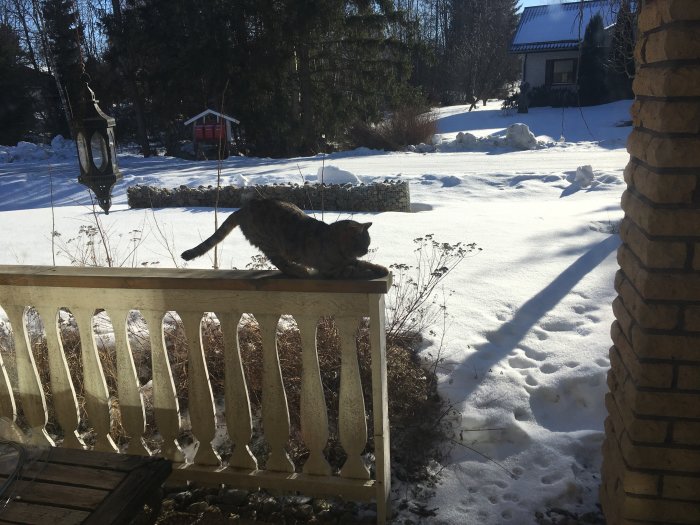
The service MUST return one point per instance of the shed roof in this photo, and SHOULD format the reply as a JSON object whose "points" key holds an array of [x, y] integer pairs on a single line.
{"points": [[211, 112], [556, 27]]}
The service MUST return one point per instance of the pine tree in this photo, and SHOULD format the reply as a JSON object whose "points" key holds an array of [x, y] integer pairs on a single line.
{"points": [[620, 63], [63, 36], [591, 78], [16, 113]]}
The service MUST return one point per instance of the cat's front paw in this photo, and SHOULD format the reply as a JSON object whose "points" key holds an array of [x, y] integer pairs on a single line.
{"points": [[367, 271]]}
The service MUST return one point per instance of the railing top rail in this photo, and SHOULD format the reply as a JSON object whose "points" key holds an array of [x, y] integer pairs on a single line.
{"points": [[181, 279]]}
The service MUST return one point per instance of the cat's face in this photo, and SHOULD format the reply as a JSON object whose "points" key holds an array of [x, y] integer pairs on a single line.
{"points": [[354, 236]]}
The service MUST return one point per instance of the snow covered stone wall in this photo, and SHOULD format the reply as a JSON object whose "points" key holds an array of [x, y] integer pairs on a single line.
{"points": [[651, 453], [384, 196]]}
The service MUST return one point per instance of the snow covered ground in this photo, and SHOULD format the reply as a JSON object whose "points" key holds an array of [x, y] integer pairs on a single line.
{"points": [[527, 340]]}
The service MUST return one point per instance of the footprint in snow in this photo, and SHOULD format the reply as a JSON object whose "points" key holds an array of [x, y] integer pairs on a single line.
{"points": [[548, 368]]}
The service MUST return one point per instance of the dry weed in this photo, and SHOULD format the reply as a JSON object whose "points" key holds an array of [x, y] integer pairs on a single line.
{"points": [[404, 127]]}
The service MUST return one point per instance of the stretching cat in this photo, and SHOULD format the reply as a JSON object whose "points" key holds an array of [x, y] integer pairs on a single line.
{"points": [[297, 244]]}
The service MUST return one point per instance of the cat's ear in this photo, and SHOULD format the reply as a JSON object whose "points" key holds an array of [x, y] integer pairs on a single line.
{"points": [[366, 225]]}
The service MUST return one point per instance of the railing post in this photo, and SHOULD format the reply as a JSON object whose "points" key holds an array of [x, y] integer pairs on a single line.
{"points": [[201, 401], [30, 389], [239, 421], [274, 398], [380, 406], [352, 424], [62, 390], [96, 393], [165, 405], [130, 398], [314, 415]]}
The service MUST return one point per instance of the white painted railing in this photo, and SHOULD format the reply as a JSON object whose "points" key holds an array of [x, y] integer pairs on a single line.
{"points": [[191, 293]]}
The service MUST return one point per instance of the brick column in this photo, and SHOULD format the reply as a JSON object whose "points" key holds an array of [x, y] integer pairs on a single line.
{"points": [[651, 453]]}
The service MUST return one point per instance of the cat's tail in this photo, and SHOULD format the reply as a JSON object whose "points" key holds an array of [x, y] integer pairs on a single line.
{"points": [[219, 235]]}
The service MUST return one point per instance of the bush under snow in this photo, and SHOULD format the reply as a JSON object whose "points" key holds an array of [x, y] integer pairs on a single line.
{"points": [[334, 175], [59, 148], [517, 136]]}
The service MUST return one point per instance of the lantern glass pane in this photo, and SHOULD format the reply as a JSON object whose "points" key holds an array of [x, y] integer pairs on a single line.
{"points": [[112, 146], [83, 152], [99, 151]]}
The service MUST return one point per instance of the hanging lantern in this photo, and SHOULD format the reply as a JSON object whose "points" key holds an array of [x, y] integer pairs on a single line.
{"points": [[97, 150]]}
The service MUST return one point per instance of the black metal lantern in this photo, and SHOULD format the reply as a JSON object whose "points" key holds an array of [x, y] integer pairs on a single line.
{"points": [[97, 154]]}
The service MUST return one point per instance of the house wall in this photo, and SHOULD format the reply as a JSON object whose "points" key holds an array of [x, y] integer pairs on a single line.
{"points": [[534, 65]]}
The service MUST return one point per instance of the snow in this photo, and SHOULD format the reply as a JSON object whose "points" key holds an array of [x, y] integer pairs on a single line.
{"points": [[334, 175], [527, 334], [584, 176]]}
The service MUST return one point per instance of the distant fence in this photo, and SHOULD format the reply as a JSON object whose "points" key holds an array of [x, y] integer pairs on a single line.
{"points": [[382, 196]]}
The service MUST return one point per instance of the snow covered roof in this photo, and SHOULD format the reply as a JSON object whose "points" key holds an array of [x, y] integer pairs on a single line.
{"points": [[211, 112], [556, 27]]}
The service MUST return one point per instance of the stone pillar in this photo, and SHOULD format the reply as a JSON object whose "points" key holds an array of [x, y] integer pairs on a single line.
{"points": [[651, 453]]}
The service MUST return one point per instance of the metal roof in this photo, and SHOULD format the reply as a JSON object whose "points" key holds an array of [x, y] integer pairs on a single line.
{"points": [[555, 27], [211, 112]]}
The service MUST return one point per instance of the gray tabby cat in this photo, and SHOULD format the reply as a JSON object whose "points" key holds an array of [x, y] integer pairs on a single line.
{"points": [[299, 245]]}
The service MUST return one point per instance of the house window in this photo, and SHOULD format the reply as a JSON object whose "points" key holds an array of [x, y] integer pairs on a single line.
{"points": [[561, 71]]}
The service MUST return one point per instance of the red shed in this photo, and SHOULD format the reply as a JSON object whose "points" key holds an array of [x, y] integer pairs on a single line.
{"points": [[213, 128]]}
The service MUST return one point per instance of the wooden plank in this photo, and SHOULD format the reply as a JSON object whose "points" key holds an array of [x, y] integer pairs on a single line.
{"points": [[127, 500], [95, 459], [317, 304], [66, 496], [97, 478], [19, 512], [350, 489], [163, 278]]}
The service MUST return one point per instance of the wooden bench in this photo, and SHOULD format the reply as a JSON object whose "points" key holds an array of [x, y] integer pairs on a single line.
{"points": [[60, 486]]}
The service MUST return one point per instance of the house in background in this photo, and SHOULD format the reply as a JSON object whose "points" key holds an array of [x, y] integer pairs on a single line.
{"points": [[548, 39]]}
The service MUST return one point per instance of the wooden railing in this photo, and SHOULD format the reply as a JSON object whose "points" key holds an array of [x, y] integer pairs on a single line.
{"points": [[191, 293]]}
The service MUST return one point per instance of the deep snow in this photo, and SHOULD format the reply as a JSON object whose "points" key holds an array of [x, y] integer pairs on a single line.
{"points": [[527, 337]]}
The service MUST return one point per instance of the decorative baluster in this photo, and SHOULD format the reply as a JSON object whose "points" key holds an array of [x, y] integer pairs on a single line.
{"points": [[130, 398], [314, 415], [8, 408], [351, 419], [30, 390], [201, 400], [380, 406], [274, 399], [238, 418], [62, 390], [96, 394], [165, 405]]}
